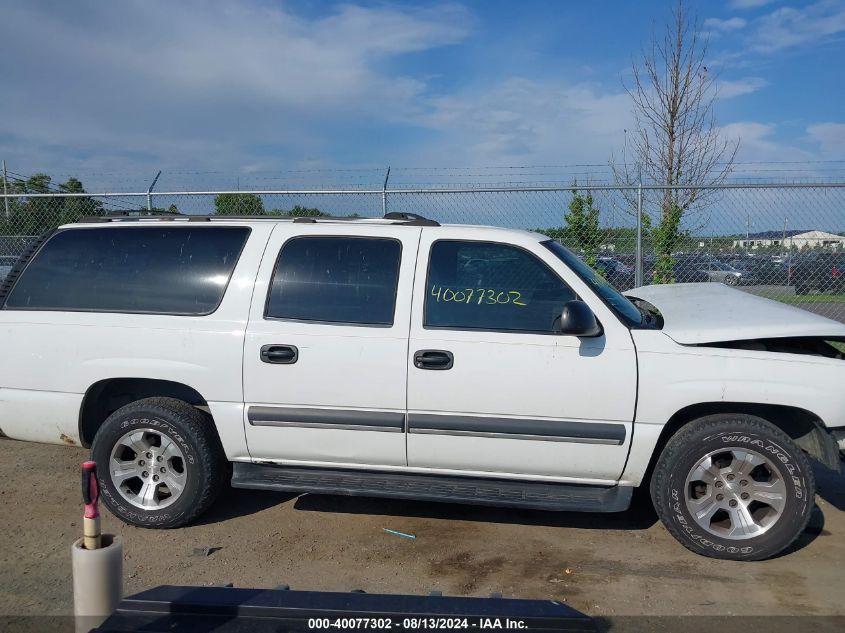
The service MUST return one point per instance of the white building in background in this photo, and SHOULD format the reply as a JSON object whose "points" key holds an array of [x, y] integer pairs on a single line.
{"points": [[792, 239]]}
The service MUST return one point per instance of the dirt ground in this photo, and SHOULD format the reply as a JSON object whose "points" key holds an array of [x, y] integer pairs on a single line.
{"points": [[608, 565]]}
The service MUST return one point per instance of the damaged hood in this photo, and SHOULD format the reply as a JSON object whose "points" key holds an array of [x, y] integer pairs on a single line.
{"points": [[713, 313]]}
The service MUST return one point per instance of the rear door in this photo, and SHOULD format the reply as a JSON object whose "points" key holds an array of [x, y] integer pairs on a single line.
{"points": [[324, 356]]}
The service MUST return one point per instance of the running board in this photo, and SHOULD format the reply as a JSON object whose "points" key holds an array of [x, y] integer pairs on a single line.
{"points": [[470, 490]]}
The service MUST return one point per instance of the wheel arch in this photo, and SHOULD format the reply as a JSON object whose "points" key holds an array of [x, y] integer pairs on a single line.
{"points": [[107, 396], [804, 427]]}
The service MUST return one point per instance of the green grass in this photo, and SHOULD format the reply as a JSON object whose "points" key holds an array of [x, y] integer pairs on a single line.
{"points": [[799, 299]]}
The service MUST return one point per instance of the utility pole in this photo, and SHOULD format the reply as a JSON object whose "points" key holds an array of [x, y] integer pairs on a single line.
{"points": [[150, 192], [5, 192]]}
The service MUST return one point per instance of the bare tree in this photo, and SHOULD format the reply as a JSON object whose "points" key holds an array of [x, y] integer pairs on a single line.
{"points": [[676, 141]]}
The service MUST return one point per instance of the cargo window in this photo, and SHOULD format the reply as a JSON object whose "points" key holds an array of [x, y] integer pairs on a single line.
{"points": [[151, 269], [492, 286], [336, 280]]}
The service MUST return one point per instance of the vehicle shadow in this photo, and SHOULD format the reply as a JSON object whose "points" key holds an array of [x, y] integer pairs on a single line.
{"points": [[830, 485], [640, 516], [814, 529], [234, 503]]}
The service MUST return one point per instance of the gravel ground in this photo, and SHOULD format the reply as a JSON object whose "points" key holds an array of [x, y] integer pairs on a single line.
{"points": [[608, 565]]}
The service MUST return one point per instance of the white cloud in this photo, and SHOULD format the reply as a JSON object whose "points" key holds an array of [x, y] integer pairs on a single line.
{"points": [[524, 121], [787, 27], [758, 143], [830, 138], [729, 24], [190, 81], [249, 87], [729, 88], [748, 4]]}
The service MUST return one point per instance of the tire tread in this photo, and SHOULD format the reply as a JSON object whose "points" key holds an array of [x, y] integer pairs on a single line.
{"points": [[715, 423], [210, 455]]}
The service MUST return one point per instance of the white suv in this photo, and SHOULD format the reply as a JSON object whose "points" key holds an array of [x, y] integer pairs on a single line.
{"points": [[400, 358]]}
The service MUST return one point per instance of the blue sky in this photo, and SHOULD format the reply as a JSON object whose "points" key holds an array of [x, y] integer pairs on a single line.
{"points": [[223, 92]]}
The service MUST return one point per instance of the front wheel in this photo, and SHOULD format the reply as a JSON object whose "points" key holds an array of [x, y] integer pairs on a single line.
{"points": [[159, 463], [733, 486]]}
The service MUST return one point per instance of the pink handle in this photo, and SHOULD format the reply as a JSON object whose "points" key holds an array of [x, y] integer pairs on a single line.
{"points": [[90, 490]]}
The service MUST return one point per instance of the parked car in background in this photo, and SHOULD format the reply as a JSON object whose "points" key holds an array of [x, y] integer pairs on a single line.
{"points": [[617, 273], [6, 264], [723, 273], [824, 272], [761, 271], [684, 271]]}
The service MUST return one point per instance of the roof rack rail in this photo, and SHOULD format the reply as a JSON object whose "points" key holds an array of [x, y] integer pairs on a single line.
{"points": [[124, 216], [396, 217], [412, 219]]}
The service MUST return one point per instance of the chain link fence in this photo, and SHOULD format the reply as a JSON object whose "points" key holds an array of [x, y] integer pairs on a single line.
{"points": [[782, 241]]}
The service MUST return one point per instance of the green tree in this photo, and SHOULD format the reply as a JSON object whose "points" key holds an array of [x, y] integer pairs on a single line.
{"points": [[238, 204], [676, 141], [73, 209], [583, 223], [298, 211], [557, 233], [35, 215]]}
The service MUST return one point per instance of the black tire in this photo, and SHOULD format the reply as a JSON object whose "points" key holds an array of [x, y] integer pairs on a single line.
{"points": [[669, 485], [731, 280], [203, 461]]}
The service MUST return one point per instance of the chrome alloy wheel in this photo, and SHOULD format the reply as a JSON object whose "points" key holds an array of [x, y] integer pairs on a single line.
{"points": [[148, 469], [735, 493]]}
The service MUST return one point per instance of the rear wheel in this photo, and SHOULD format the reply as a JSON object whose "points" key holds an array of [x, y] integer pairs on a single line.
{"points": [[733, 486], [159, 464]]}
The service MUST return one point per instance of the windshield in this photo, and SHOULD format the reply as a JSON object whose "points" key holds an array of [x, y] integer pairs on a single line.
{"points": [[612, 297]]}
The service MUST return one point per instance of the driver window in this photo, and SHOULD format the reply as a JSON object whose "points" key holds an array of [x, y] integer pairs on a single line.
{"points": [[492, 286]]}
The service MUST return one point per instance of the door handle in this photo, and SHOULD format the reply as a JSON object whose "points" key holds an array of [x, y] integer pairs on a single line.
{"points": [[279, 354], [433, 359]]}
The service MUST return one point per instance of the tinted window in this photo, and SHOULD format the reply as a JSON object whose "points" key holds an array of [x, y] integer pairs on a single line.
{"points": [[155, 269], [483, 285], [336, 280]]}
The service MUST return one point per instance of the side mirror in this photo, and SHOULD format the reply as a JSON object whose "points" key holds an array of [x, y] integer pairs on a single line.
{"points": [[577, 319]]}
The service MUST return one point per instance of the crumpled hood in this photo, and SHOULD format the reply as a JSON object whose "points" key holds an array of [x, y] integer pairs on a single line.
{"points": [[712, 313]]}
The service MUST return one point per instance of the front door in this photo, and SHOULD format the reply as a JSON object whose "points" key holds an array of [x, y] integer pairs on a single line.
{"points": [[492, 387], [324, 356]]}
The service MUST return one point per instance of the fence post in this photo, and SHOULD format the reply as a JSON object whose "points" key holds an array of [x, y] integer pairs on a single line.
{"points": [[638, 267], [150, 192], [384, 193], [5, 192]]}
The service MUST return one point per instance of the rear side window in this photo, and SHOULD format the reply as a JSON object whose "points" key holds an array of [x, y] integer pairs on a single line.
{"points": [[491, 286], [155, 269], [336, 280]]}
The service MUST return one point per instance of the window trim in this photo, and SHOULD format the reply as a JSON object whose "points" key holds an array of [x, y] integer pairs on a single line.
{"points": [[57, 232], [340, 323], [487, 329]]}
